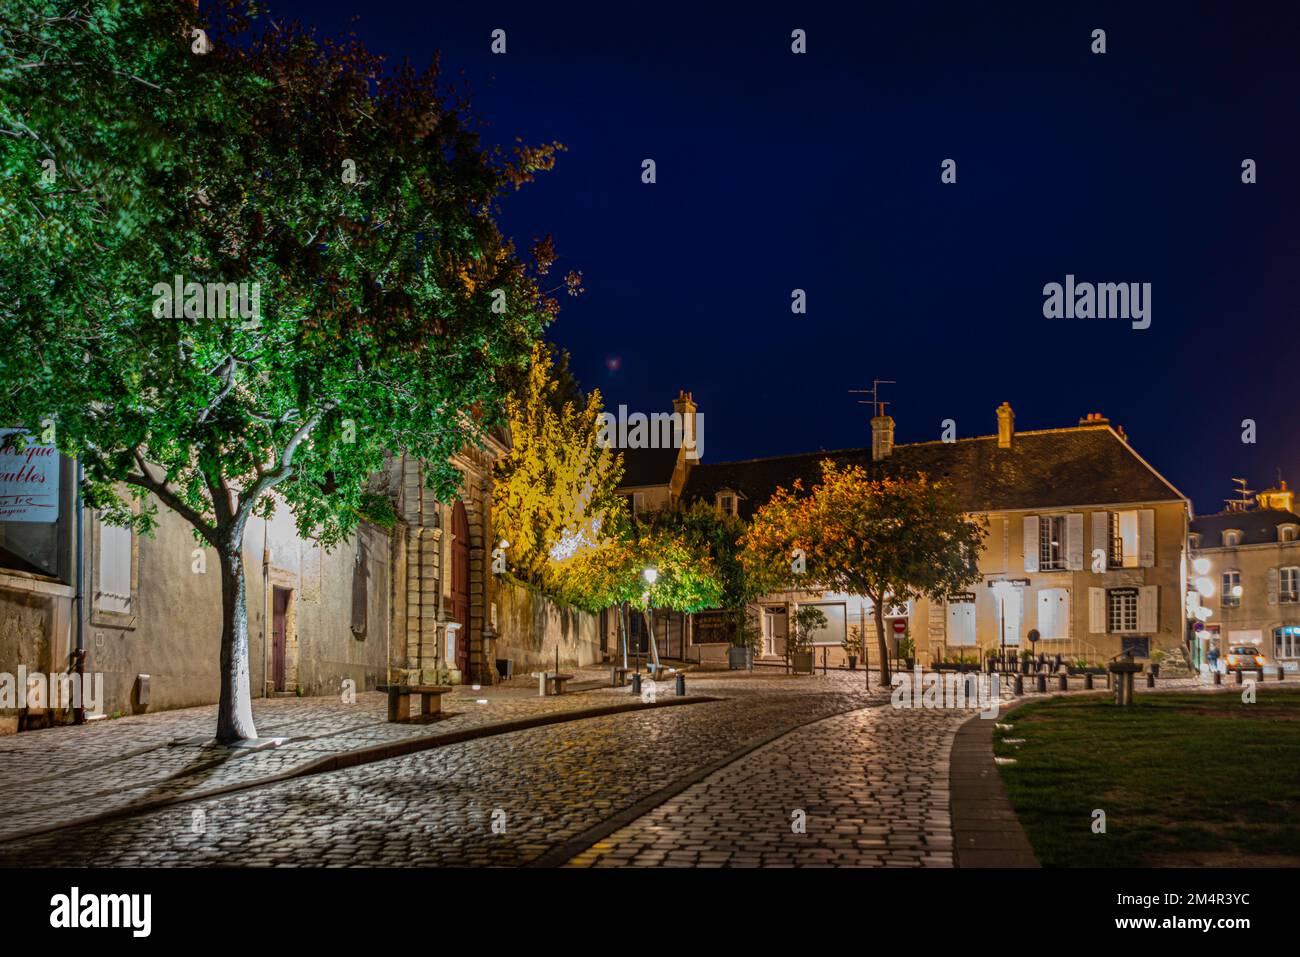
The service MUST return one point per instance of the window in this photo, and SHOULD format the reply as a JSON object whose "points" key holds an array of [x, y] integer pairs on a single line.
{"points": [[1123, 540], [113, 555], [1051, 543], [1286, 533], [1194, 540], [1286, 641], [1122, 610], [1231, 538], [1288, 584], [1231, 596], [727, 502], [836, 624]]}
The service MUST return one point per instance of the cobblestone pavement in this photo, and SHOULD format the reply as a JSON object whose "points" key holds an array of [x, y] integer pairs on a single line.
{"points": [[69, 773], [543, 787], [863, 789], [873, 783]]}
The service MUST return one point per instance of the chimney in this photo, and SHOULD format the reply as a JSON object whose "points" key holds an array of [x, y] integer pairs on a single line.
{"points": [[1006, 425], [692, 425], [882, 436], [1094, 418]]}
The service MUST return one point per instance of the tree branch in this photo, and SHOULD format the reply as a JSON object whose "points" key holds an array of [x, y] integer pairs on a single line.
{"points": [[169, 498]]}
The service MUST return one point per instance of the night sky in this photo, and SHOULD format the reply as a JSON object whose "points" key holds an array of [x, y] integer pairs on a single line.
{"points": [[821, 172]]}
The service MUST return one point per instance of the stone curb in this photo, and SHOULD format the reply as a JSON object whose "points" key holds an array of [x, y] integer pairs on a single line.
{"points": [[985, 829], [348, 759]]}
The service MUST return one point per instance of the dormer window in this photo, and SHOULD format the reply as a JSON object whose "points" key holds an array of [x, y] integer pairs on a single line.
{"points": [[1194, 539], [1287, 533], [1231, 538], [727, 502]]}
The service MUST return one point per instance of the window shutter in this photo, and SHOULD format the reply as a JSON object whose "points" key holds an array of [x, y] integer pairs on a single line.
{"points": [[115, 569], [1074, 541], [1272, 586], [1047, 612], [1147, 537], [1063, 613], [1031, 543], [1097, 611], [1148, 609], [1100, 537]]}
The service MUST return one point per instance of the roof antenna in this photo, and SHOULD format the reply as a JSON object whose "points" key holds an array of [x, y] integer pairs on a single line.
{"points": [[874, 392], [1242, 502]]}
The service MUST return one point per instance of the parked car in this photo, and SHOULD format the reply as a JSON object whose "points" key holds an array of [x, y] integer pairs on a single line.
{"points": [[1242, 658]]}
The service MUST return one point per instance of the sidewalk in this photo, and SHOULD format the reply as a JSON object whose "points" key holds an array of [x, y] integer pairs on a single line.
{"points": [[70, 774]]}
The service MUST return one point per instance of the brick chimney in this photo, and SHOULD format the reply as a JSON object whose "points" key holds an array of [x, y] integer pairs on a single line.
{"points": [[692, 440], [1006, 425], [882, 436]]}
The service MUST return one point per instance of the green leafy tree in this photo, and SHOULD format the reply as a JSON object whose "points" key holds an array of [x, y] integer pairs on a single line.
{"points": [[382, 310], [889, 538], [555, 488]]}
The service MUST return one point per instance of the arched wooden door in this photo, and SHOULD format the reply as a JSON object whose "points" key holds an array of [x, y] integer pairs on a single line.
{"points": [[460, 583]]}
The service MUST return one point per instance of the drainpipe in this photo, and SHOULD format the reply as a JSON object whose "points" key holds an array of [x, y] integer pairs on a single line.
{"points": [[79, 656], [266, 608]]}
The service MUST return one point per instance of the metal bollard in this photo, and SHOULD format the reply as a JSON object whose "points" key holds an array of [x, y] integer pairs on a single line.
{"points": [[636, 685], [1240, 677], [1019, 685], [1040, 683], [1062, 683], [1281, 676], [1151, 680], [1218, 677], [1087, 682], [681, 685]]}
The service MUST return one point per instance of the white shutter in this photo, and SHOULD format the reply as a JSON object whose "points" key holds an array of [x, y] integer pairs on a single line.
{"points": [[1031, 543], [1097, 611], [1100, 536], [1063, 613], [1148, 609], [114, 592], [1047, 613], [1074, 541], [1272, 586], [1147, 537], [961, 623]]}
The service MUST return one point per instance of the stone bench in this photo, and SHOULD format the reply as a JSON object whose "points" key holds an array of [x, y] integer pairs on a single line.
{"points": [[399, 700], [551, 683]]}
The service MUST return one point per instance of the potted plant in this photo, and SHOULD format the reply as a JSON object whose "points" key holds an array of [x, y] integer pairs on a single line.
{"points": [[991, 660], [907, 649], [745, 635], [1157, 656], [1026, 662], [798, 644], [852, 647]]}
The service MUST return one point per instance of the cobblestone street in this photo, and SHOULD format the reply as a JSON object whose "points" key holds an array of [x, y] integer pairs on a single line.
{"points": [[751, 770]]}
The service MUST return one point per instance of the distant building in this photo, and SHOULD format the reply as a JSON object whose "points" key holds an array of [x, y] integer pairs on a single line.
{"points": [[1056, 500], [1251, 558]]}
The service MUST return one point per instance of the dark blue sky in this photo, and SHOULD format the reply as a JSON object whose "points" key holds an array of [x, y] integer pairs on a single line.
{"points": [[821, 172]]}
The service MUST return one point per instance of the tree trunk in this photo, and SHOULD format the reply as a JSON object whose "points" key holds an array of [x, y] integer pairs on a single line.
{"points": [[235, 710], [879, 609]]}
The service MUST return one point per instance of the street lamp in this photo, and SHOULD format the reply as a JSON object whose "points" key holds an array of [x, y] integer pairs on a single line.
{"points": [[651, 576], [1001, 591]]}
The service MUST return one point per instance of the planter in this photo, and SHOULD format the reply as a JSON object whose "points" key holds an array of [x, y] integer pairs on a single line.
{"points": [[738, 658], [1155, 670], [802, 662], [853, 662], [911, 663]]}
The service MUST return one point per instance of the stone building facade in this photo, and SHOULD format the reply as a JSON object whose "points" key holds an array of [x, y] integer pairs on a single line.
{"points": [[1250, 559]]}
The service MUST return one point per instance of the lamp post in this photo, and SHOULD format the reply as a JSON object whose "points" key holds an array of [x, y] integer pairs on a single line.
{"points": [[1001, 589], [651, 576]]}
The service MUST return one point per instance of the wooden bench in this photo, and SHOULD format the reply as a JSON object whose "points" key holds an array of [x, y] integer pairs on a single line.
{"points": [[551, 683], [399, 700]]}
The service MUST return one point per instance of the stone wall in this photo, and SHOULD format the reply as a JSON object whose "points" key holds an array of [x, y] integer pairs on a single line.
{"points": [[531, 626]]}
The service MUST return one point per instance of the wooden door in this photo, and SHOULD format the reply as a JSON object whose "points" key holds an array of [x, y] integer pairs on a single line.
{"points": [[279, 614], [460, 584]]}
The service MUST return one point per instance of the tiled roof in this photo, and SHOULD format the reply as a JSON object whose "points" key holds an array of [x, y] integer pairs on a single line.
{"points": [[1055, 468], [1258, 527], [648, 467]]}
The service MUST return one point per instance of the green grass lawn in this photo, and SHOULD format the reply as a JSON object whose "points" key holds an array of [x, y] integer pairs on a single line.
{"points": [[1184, 779]]}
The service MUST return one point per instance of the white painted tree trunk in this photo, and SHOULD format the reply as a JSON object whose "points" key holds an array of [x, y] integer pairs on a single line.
{"points": [[235, 709]]}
